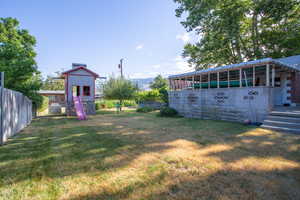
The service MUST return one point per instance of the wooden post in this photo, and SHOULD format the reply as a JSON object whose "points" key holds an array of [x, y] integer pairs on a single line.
{"points": [[180, 83], [241, 84], [218, 79], [253, 77], [174, 84], [268, 75], [208, 78], [273, 75], [200, 82], [193, 81], [228, 79]]}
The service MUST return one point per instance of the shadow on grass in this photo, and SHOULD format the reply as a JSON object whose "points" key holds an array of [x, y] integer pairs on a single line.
{"points": [[84, 147]]}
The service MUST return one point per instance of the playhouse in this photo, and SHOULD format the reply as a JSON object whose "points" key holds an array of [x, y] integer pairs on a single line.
{"points": [[79, 88]]}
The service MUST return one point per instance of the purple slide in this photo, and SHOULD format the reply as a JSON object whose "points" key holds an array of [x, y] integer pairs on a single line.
{"points": [[79, 108]]}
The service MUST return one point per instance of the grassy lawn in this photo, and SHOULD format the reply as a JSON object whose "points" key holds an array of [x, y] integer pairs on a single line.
{"points": [[140, 156]]}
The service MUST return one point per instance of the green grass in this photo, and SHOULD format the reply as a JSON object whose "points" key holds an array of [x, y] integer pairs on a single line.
{"points": [[141, 156]]}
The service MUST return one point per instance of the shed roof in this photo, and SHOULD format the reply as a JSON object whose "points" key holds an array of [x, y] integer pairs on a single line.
{"points": [[292, 62], [80, 68], [52, 92]]}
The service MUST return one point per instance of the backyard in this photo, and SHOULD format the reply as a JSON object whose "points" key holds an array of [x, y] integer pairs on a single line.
{"points": [[141, 156]]}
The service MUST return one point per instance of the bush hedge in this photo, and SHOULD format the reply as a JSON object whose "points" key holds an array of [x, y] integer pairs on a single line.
{"points": [[168, 112], [145, 109], [112, 103], [44, 105]]}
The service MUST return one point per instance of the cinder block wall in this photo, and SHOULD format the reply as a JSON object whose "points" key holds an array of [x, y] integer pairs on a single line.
{"points": [[230, 104]]}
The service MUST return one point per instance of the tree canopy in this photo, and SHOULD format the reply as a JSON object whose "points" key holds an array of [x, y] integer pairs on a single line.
{"points": [[232, 31], [159, 82], [53, 83], [17, 59], [119, 89]]}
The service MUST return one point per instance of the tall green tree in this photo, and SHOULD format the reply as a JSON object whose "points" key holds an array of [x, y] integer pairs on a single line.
{"points": [[161, 84], [17, 59], [119, 89], [232, 31]]}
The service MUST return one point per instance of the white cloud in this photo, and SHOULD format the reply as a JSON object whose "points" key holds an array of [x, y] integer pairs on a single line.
{"points": [[176, 65], [182, 65], [185, 37], [139, 47]]}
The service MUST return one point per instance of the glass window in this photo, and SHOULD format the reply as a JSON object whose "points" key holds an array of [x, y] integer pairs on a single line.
{"points": [[86, 91]]}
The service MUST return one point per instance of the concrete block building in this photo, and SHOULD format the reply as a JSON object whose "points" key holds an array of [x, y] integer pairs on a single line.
{"points": [[238, 92], [80, 81]]}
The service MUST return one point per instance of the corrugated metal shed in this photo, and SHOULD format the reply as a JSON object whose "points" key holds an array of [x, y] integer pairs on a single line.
{"points": [[292, 62]]}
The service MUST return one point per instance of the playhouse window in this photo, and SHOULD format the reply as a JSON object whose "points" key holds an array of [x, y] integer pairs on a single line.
{"points": [[76, 90], [86, 91]]}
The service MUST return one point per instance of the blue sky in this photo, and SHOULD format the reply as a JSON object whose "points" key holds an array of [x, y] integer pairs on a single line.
{"points": [[145, 33]]}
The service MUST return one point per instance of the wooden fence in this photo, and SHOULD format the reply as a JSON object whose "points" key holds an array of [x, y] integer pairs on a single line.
{"points": [[15, 113]]}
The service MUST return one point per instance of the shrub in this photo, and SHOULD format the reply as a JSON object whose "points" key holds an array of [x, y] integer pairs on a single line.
{"points": [[44, 104], [152, 95], [112, 103], [145, 109], [129, 103], [164, 95], [106, 103], [97, 105], [168, 112]]}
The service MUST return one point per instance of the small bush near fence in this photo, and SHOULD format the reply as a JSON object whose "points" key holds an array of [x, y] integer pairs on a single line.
{"points": [[145, 109], [168, 112], [44, 105], [112, 104]]}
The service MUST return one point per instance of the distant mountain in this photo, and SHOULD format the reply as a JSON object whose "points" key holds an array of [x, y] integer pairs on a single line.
{"points": [[143, 83]]}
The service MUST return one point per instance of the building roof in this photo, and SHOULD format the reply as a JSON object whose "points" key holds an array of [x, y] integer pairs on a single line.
{"points": [[292, 62], [52, 92], [80, 68]]}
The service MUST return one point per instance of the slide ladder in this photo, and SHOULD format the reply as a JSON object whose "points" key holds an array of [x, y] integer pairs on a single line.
{"points": [[79, 108]]}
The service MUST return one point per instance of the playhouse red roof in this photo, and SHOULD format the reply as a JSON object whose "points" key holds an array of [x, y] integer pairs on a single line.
{"points": [[80, 68]]}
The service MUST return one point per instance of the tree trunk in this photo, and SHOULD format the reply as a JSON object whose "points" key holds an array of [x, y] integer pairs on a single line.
{"points": [[121, 101], [255, 43]]}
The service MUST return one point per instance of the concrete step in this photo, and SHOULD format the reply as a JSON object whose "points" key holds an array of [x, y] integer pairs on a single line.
{"points": [[285, 114], [282, 124], [283, 119], [279, 128]]}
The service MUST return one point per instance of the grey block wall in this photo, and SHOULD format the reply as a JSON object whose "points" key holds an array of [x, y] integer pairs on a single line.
{"points": [[17, 113], [230, 104]]}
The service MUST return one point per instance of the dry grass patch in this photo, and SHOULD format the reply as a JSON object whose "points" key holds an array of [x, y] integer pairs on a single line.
{"points": [[141, 156]]}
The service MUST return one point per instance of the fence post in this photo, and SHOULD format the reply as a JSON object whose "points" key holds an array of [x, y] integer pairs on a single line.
{"points": [[1, 106]]}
